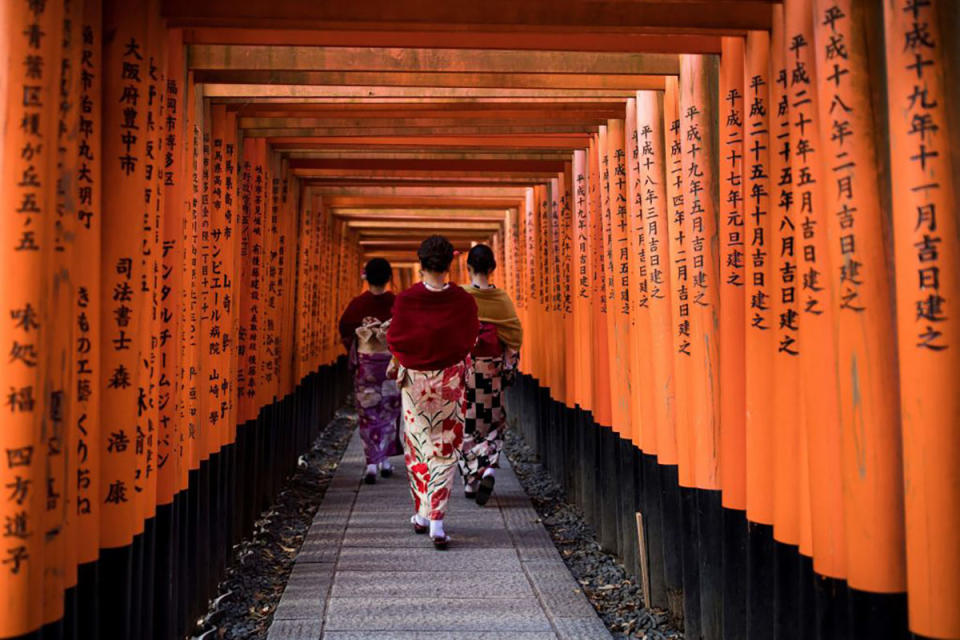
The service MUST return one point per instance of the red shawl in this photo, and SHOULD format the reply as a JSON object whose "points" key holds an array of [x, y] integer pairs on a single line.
{"points": [[433, 330], [364, 305]]}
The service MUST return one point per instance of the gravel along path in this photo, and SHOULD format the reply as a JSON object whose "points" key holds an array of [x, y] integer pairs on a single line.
{"points": [[261, 563], [615, 595]]}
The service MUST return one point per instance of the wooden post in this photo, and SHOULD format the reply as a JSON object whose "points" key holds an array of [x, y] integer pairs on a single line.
{"points": [[654, 206], [923, 162]]}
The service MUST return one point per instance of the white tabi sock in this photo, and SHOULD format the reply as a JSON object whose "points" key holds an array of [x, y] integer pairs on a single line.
{"points": [[371, 469], [385, 465], [419, 520], [488, 472], [436, 529]]}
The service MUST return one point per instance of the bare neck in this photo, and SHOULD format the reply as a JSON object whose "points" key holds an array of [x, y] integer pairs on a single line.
{"points": [[376, 290], [434, 279], [480, 280]]}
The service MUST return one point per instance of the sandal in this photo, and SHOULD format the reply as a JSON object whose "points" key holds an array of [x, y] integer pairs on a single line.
{"points": [[386, 472], [440, 544], [485, 490], [418, 528], [370, 478]]}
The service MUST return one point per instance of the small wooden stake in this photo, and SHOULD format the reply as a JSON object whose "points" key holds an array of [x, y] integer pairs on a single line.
{"points": [[644, 561]]}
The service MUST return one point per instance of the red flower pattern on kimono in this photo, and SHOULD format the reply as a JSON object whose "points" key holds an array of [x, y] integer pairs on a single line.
{"points": [[433, 410]]}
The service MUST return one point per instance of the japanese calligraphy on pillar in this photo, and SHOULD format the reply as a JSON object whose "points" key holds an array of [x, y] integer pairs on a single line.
{"points": [[220, 278], [760, 277], [28, 189], [653, 203], [781, 175], [85, 413], [865, 333], [124, 146], [732, 273], [921, 70], [148, 411], [170, 383]]}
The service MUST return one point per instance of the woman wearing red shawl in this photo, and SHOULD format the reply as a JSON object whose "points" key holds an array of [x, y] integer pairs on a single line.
{"points": [[363, 326], [493, 366], [433, 330]]}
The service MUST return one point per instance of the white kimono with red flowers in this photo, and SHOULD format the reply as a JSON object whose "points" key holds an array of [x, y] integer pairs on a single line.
{"points": [[432, 404]]}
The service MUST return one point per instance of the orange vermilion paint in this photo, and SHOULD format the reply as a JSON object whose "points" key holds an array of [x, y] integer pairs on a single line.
{"points": [[869, 408], [680, 264], [785, 468], [654, 205], [923, 167], [698, 93], [582, 267], [122, 297], [762, 288], [601, 354], [616, 226], [734, 254], [642, 400], [819, 421], [172, 259], [85, 408]]}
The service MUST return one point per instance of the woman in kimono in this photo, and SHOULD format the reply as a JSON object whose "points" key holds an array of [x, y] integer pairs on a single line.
{"points": [[494, 362], [433, 330], [363, 328]]}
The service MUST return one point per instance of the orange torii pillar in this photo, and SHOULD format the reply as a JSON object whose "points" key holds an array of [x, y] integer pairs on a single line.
{"points": [[762, 292], [611, 516], [869, 412], [921, 80], [623, 271], [170, 495], [582, 285], [779, 608], [60, 552], [642, 406], [28, 192], [702, 510], [678, 480], [602, 414], [122, 308], [734, 255], [85, 402], [659, 471]]}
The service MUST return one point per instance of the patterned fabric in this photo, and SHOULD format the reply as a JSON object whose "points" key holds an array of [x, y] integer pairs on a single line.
{"points": [[377, 396], [485, 418], [433, 432]]}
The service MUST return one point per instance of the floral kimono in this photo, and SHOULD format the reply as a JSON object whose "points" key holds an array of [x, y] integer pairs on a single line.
{"points": [[431, 335], [433, 432], [377, 396]]}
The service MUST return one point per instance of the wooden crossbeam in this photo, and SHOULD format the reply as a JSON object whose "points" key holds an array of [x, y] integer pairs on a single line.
{"points": [[419, 166], [420, 142], [361, 93], [451, 39], [208, 57], [607, 82], [491, 15], [402, 131]]}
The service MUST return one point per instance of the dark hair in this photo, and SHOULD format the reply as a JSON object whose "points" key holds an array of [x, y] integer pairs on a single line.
{"points": [[378, 272], [436, 254], [481, 259]]}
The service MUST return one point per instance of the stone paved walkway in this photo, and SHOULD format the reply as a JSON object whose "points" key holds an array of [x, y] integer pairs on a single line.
{"points": [[363, 574]]}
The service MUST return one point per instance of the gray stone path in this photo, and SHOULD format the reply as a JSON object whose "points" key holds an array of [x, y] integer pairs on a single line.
{"points": [[363, 574]]}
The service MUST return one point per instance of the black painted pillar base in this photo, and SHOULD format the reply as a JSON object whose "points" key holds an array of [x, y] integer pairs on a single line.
{"points": [[734, 574], [760, 574], [690, 558]]}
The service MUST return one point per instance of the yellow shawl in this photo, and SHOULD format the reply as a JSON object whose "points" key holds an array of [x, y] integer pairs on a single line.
{"points": [[495, 307]]}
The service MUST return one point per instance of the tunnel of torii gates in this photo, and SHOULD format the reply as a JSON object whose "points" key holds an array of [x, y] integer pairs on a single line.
{"points": [[730, 228]]}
